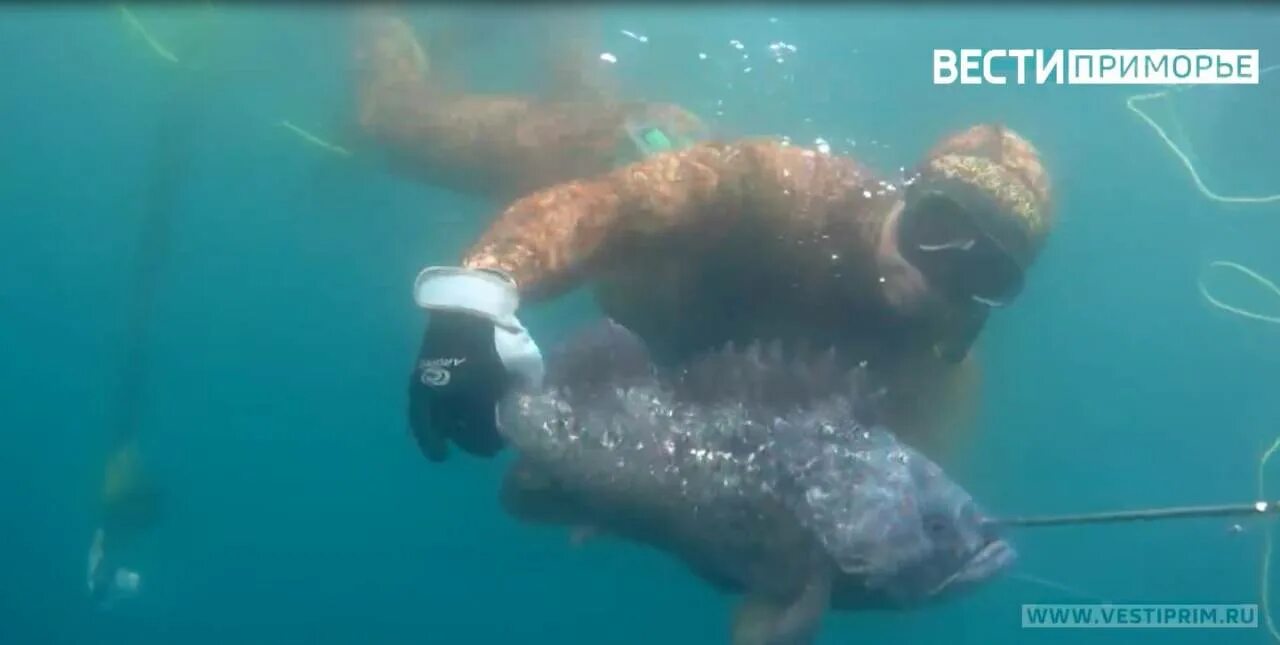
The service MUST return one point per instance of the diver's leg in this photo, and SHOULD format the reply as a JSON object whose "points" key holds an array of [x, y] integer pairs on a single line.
{"points": [[391, 69], [572, 52]]}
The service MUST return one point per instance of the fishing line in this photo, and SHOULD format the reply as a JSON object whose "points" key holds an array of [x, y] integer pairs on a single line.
{"points": [[138, 28], [1268, 530], [1132, 104], [1268, 536], [1232, 308], [1057, 586], [166, 53]]}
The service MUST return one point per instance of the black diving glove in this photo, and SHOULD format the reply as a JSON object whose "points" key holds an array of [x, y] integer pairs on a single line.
{"points": [[474, 350]]}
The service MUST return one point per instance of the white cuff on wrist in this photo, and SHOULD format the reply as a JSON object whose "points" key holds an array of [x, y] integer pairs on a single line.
{"points": [[489, 295], [486, 294]]}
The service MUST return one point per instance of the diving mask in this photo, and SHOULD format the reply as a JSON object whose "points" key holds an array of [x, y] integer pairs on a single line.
{"points": [[942, 238]]}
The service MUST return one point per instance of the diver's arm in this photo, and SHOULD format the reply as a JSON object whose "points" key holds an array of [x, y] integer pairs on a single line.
{"points": [[475, 348], [548, 241]]}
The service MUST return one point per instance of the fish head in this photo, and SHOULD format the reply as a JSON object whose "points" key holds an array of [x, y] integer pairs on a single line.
{"points": [[945, 545]]}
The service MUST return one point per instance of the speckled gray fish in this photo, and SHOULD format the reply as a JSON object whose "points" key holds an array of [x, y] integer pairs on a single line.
{"points": [[761, 469]]}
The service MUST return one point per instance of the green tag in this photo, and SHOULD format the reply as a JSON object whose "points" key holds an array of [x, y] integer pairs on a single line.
{"points": [[655, 141], [644, 141]]}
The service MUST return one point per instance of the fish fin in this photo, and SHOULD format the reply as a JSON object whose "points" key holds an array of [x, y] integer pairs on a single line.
{"points": [[762, 621], [798, 624], [601, 354], [753, 621]]}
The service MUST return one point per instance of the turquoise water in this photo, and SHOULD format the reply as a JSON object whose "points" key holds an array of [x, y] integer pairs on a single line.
{"points": [[283, 326]]}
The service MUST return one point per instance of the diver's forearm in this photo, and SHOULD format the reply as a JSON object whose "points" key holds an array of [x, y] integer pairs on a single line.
{"points": [[542, 240]]}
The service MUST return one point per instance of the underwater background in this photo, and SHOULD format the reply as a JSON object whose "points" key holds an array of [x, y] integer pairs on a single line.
{"points": [[299, 510]]}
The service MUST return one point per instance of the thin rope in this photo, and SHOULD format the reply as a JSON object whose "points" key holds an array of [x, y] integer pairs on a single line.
{"points": [[140, 29], [165, 53], [1268, 537], [314, 140], [1058, 586], [1268, 531], [1232, 308], [1132, 104]]}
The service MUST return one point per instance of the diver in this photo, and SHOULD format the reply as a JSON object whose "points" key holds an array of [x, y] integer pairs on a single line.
{"points": [[499, 146], [734, 242]]}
